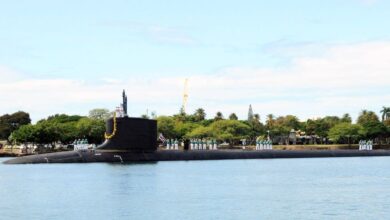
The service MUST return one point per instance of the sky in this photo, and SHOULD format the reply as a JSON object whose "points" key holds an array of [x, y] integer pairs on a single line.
{"points": [[306, 58]]}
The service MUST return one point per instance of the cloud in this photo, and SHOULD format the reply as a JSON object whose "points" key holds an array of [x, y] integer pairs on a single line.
{"points": [[342, 79], [157, 33], [368, 2], [8, 74]]}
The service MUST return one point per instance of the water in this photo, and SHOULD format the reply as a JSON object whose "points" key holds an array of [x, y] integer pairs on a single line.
{"points": [[322, 188]]}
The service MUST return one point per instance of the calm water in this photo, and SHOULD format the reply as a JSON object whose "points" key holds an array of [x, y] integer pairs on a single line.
{"points": [[329, 188]]}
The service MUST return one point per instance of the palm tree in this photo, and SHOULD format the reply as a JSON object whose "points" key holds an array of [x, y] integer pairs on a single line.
{"points": [[256, 117], [233, 116], [218, 116], [200, 114], [366, 116], [385, 113], [270, 120], [346, 118]]}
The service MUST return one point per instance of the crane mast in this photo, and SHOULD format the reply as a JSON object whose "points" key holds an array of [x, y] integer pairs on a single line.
{"points": [[185, 95]]}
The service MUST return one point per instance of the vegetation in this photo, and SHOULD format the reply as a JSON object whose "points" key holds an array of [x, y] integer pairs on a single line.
{"points": [[10, 123], [330, 129], [62, 128]]}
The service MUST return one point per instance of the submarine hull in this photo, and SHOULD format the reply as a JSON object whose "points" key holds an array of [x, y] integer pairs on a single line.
{"points": [[135, 140], [90, 156]]}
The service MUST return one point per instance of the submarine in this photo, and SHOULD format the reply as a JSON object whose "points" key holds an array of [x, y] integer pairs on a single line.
{"points": [[130, 139]]}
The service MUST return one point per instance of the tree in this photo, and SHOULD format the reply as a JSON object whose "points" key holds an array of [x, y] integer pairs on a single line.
{"points": [[256, 117], [199, 114], [92, 129], [61, 128], [182, 116], [367, 117], [325, 124], [345, 132], [233, 116], [183, 128], [283, 124], [99, 113], [10, 123], [166, 126], [223, 130], [62, 118], [385, 113], [153, 115], [218, 116], [145, 116], [373, 129], [229, 130], [256, 127], [26, 133], [346, 118], [270, 121], [200, 132]]}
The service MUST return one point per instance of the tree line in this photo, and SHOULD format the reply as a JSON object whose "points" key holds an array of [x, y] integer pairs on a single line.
{"points": [[329, 129], [57, 128], [17, 127]]}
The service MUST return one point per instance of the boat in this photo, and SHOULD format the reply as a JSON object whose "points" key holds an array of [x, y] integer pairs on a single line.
{"points": [[130, 139]]}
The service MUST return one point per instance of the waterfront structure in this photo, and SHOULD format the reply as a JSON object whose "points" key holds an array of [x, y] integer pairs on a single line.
{"points": [[135, 139]]}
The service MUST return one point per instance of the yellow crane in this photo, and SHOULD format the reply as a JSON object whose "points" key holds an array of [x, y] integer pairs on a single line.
{"points": [[185, 95]]}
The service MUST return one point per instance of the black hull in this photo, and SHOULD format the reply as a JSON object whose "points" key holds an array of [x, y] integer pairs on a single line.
{"points": [[90, 156]]}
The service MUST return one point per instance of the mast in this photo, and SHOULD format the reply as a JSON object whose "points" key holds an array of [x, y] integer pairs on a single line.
{"points": [[124, 103]]}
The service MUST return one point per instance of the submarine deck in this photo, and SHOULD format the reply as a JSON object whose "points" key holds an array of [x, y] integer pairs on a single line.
{"points": [[89, 156]]}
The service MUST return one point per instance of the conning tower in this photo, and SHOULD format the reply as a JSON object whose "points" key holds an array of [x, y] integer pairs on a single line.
{"points": [[130, 134]]}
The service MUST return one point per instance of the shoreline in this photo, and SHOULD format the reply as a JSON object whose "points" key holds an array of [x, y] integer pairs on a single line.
{"points": [[312, 147]]}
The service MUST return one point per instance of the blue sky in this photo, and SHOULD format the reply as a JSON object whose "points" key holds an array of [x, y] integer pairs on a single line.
{"points": [[72, 56]]}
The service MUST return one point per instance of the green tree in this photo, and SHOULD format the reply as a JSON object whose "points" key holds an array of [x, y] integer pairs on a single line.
{"points": [[367, 117], [229, 130], [199, 115], [345, 132], [233, 116], [321, 126], [256, 117], [61, 128], [10, 123], [166, 126], [183, 128], [92, 129], [346, 118], [26, 133], [284, 124], [218, 116], [270, 121], [62, 118], [385, 113], [200, 132]]}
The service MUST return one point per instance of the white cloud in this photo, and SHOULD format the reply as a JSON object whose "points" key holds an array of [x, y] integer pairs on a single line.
{"points": [[368, 2], [345, 78], [157, 33]]}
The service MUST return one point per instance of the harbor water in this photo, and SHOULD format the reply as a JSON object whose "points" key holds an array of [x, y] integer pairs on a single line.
{"points": [[318, 188]]}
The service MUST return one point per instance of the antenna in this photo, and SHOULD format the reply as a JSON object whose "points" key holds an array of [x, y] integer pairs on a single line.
{"points": [[124, 102]]}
